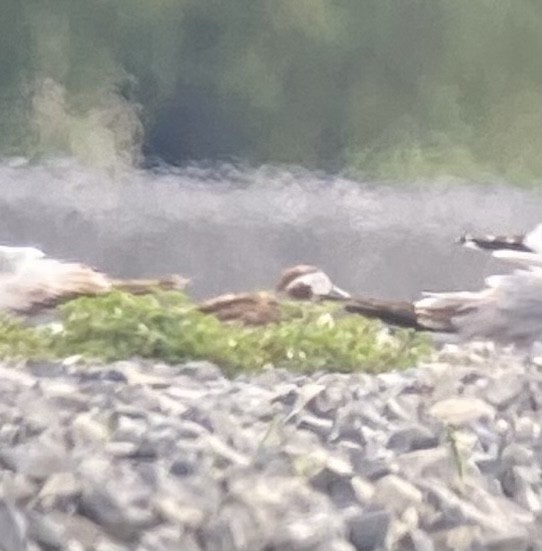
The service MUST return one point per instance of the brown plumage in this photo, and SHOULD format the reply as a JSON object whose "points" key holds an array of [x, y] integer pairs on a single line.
{"points": [[306, 282], [398, 313], [248, 308], [144, 286], [418, 315], [31, 282], [301, 282], [508, 309]]}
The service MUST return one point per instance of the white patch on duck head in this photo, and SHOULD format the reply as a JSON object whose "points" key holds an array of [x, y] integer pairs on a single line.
{"points": [[305, 282]]}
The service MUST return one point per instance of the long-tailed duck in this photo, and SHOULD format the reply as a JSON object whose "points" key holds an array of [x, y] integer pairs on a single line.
{"points": [[523, 242], [308, 282], [507, 310], [301, 282]]}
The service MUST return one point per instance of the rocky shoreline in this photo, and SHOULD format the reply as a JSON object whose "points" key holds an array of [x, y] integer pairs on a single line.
{"points": [[143, 456]]}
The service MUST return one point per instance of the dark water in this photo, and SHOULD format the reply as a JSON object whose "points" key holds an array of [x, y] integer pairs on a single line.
{"points": [[235, 229]]}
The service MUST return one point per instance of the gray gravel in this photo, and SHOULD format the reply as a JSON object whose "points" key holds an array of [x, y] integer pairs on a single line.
{"points": [[150, 457]]}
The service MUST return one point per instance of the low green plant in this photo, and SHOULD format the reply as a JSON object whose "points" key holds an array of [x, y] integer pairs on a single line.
{"points": [[18, 341], [168, 327]]}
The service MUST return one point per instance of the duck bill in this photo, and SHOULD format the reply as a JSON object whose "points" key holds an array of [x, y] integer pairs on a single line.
{"points": [[336, 293]]}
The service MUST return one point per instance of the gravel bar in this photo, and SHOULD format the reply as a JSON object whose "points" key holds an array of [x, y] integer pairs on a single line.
{"points": [[143, 456]]}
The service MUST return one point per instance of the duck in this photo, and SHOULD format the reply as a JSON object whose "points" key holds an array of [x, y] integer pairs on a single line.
{"points": [[506, 311], [530, 242], [308, 282], [31, 281], [396, 313], [302, 282]]}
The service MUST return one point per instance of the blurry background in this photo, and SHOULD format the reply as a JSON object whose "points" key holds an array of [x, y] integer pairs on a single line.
{"points": [[386, 87], [226, 140]]}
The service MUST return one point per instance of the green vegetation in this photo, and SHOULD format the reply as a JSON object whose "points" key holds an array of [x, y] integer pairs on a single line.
{"points": [[384, 87], [166, 326]]}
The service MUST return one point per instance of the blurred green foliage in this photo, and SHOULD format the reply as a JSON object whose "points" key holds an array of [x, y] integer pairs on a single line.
{"points": [[167, 326], [385, 87]]}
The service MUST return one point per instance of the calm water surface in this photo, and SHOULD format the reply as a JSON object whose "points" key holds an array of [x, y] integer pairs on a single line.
{"points": [[234, 229]]}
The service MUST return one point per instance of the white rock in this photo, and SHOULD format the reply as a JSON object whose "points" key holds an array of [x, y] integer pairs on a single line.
{"points": [[457, 411]]}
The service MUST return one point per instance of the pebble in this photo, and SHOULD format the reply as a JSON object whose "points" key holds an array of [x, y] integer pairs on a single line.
{"points": [[144, 456]]}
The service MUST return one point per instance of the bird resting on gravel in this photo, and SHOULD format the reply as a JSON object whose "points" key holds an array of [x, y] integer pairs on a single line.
{"points": [[31, 281], [508, 310], [302, 282]]}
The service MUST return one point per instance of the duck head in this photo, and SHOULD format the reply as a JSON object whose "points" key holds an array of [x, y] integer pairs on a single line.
{"points": [[307, 282]]}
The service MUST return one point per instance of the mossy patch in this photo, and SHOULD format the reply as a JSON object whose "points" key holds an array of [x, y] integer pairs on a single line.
{"points": [[167, 326]]}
